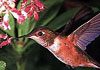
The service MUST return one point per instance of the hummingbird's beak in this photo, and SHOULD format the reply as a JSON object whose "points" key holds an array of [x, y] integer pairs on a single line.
{"points": [[28, 35], [20, 37]]}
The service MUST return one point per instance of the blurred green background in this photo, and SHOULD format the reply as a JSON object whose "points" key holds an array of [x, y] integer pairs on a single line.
{"points": [[26, 54]]}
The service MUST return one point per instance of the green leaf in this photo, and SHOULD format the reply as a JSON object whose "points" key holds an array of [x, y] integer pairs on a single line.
{"points": [[95, 9], [50, 3], [51, 10], [2, 65], [23, 28], [62, 19]]}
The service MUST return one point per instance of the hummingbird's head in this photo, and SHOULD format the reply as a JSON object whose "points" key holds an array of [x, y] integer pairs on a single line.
{"points": [[42, 35]]}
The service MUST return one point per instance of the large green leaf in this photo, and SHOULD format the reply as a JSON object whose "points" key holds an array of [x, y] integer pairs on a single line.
{"points": [[52, 8], [62, 19], [2, 65], [52, 12], [23, 28]]}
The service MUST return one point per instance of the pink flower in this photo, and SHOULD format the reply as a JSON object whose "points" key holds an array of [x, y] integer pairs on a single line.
{"points": [[17, 14], [8, 41], [40, 5], [8, 6], [32, 9], [3, 36], [5, 6], [26, 11]]}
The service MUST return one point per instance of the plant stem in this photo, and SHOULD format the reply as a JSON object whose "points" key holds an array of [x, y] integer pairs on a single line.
{"points": [[20, 66]]}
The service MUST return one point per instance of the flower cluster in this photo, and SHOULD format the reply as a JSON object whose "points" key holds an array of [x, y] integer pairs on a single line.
{"points": [[32, 8], [6, 6], [26, 11]]}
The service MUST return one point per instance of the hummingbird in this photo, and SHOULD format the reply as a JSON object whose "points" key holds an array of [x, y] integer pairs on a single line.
{"points": [[69, 49]]}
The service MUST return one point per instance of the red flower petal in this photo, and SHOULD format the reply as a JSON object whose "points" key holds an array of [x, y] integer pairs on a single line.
{"points": [[3, 36], [8, 41], [17, 14], [5, 22], [36, 17], [6, 25], [40, 5], [30, 14], [21, 19], [27, 9]]}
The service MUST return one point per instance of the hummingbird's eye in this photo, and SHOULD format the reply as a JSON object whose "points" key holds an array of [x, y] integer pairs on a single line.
{"points": [[40, 33]]}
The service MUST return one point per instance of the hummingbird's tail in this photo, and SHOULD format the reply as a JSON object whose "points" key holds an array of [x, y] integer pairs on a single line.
{"points": [[95, 65]]}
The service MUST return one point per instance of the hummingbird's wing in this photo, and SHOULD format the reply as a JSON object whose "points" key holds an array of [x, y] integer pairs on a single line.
{"points": [[83, 12], [87, 32]]}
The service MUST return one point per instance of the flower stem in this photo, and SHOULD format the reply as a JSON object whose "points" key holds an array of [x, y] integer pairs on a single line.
{"points": [[20, 66]]}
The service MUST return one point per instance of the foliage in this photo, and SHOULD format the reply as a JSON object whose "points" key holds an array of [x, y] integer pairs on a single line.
{"points": [[25, 54], [2, 65]]}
